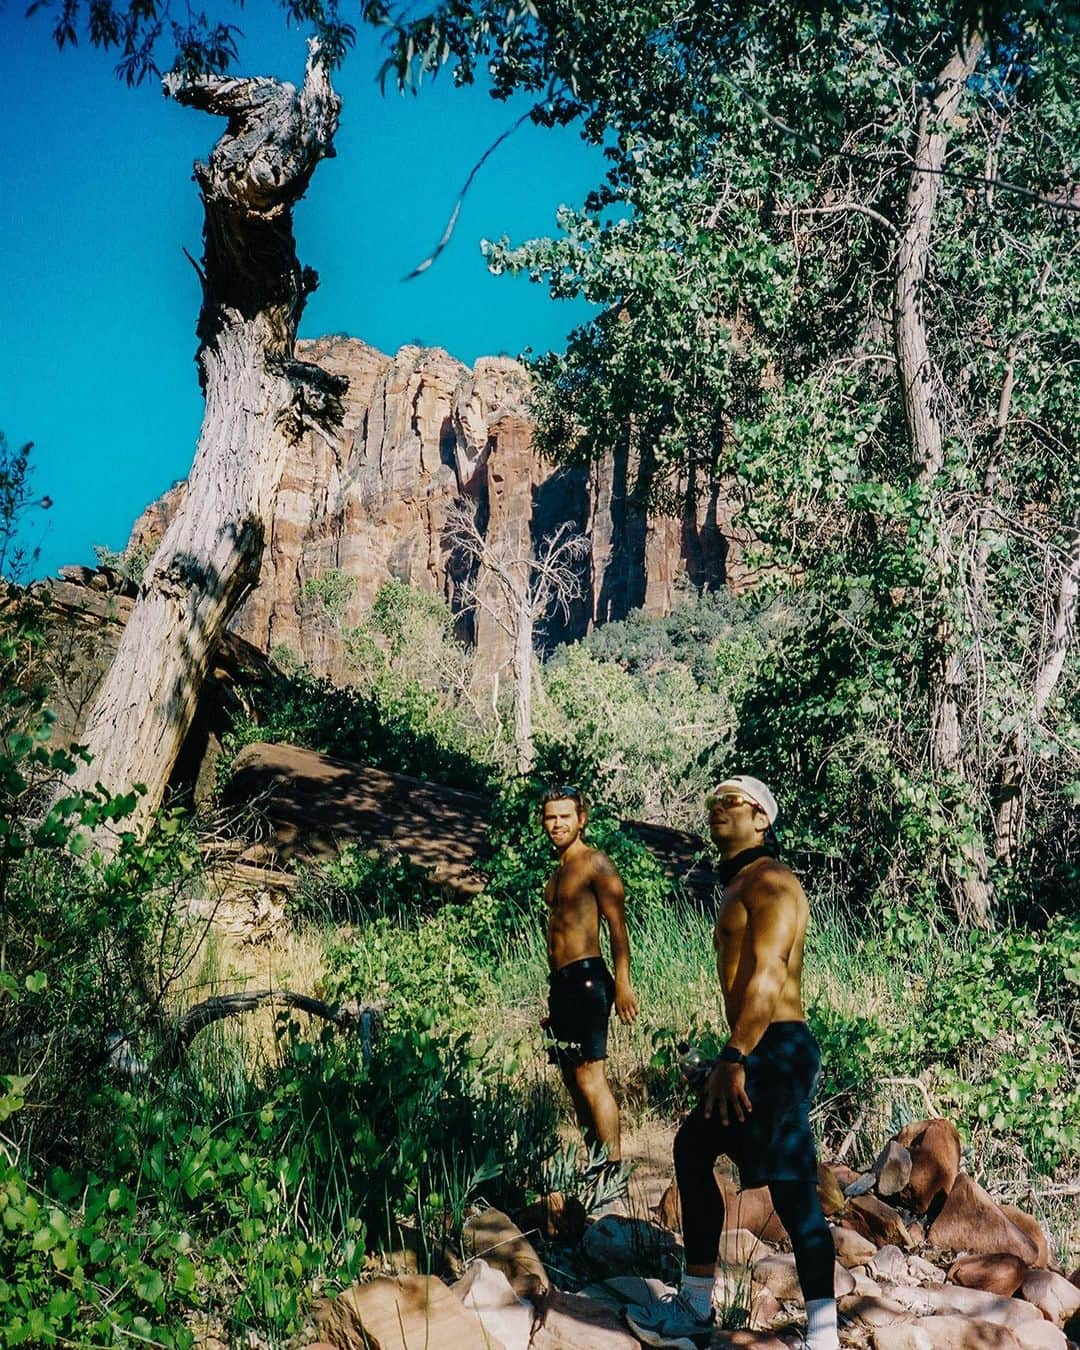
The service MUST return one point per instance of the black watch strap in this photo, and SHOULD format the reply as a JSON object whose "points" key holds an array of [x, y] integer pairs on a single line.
{"points": [[732, 1056]]}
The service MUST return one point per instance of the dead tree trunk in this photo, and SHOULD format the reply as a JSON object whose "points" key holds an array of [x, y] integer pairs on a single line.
{"points": [[259, 399], [523, 624], [922, 400]]}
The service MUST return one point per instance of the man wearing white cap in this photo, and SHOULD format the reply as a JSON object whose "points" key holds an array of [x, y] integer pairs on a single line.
{"points": [[756, 1101]]}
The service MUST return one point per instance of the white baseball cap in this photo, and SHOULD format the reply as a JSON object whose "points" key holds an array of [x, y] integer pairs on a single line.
{"points": [[753, 789]]}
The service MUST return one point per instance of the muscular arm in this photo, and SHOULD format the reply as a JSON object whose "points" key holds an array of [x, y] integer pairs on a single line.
{"points": [[611, 901], [771, 931]]}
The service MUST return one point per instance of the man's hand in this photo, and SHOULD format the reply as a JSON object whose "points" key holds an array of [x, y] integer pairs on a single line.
{"points": [[725, 1090], [626, 1004]]}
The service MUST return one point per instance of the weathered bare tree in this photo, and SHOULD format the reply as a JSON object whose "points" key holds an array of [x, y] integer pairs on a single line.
{"points": [[259, 400], [517, 586]]}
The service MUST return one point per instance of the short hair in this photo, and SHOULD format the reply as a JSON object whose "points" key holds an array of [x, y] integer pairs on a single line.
{"points": [[563, 792]]}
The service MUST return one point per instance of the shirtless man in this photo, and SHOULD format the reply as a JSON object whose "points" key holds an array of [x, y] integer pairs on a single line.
{"points": [[583, 888], [756, 1100]]}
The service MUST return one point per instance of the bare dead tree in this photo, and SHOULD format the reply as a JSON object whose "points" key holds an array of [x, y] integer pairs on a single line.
{"points": [[259, 400], [518, 586]]}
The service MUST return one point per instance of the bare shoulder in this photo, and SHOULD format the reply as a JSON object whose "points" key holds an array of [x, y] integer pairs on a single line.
{"points": [[602, 866], [772, 883]]}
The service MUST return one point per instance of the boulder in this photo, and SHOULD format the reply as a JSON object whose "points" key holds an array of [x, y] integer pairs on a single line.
{"points": [[574, 1322], [829, 1190], [971, 1221], [945, 1333], [876, 1220], [844, 1174], [852, 1249], [893, 1168], [1040, 1335], [996, 1272], [396, 1314], [752, 1209], [889, 1263], [556, 1217], [865, 1286], [862, 1185], [778, 1275], [924, 1272], [954, 1298], [1032, 1229], [1057, 1298], [504, 1316], [934, 1146], [616, 1243], [740, 1247], [873, 1310], [669, 1210], [492, 1235], [764, 1310]]}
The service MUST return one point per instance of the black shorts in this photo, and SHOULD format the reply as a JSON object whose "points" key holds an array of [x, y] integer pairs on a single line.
{"points": [[580, 999], [774, 1142]]}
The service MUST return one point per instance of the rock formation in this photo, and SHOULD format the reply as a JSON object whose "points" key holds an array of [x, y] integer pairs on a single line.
{"points": [[422, 431]]}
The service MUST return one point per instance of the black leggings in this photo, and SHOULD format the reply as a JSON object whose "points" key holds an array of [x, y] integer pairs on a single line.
{"points": [[797, 1207]]}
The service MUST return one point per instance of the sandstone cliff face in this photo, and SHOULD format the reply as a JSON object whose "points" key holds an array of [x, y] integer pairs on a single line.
{"points": [[421, 432]]}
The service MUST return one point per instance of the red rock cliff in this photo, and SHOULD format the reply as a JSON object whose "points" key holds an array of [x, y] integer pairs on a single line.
{"points": [[421, 431]]}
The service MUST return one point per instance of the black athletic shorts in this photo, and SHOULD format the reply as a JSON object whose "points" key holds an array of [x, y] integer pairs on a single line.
{"points": [[580, 998], [774, 1142]]}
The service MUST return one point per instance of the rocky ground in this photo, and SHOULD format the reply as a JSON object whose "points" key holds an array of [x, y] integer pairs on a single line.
{"points": [[926, 1259]]}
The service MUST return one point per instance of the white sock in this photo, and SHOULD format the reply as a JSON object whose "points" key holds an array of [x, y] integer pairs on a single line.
{"points": [[697, 1291], [821, 1333]]}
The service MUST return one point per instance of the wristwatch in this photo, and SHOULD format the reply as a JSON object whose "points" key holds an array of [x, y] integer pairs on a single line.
{"points": [[732, 1056]]}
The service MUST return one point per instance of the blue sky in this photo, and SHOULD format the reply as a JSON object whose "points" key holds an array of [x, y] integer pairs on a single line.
{"points": [[99, 309]]}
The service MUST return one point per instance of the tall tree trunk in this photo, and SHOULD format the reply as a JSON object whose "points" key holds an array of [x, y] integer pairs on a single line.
{"points": [[259, 399], [921, 393], [522, 667]]}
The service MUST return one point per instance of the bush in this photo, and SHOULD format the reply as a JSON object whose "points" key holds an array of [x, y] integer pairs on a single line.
{"points": [[397, 726]]}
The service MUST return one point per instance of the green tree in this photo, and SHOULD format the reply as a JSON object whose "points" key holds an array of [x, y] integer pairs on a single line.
{"points": [[836, 251]]}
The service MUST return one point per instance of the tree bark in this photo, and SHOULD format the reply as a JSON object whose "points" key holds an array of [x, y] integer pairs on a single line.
{"points": [[921, 394], [259, 400], [522, 665], [1009, 817]]}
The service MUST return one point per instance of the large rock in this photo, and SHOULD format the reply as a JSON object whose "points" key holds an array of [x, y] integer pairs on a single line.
{"points": [[422, 431], [740, 1247], [397, 1314], [492, 1235], [945, 1333], [953, 1298], [1057, 1298], [996, 1272], [889, 1263], [893, 1168], [873, 1310], [779, 1276], [489, 1294], [617, 1243], [574, 1322], [1040, 1336], [971, 1221], [876, 1220], [934, 1146], [852, 1249], [830, 1192], [1032, 1229], [752, 1209]]}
